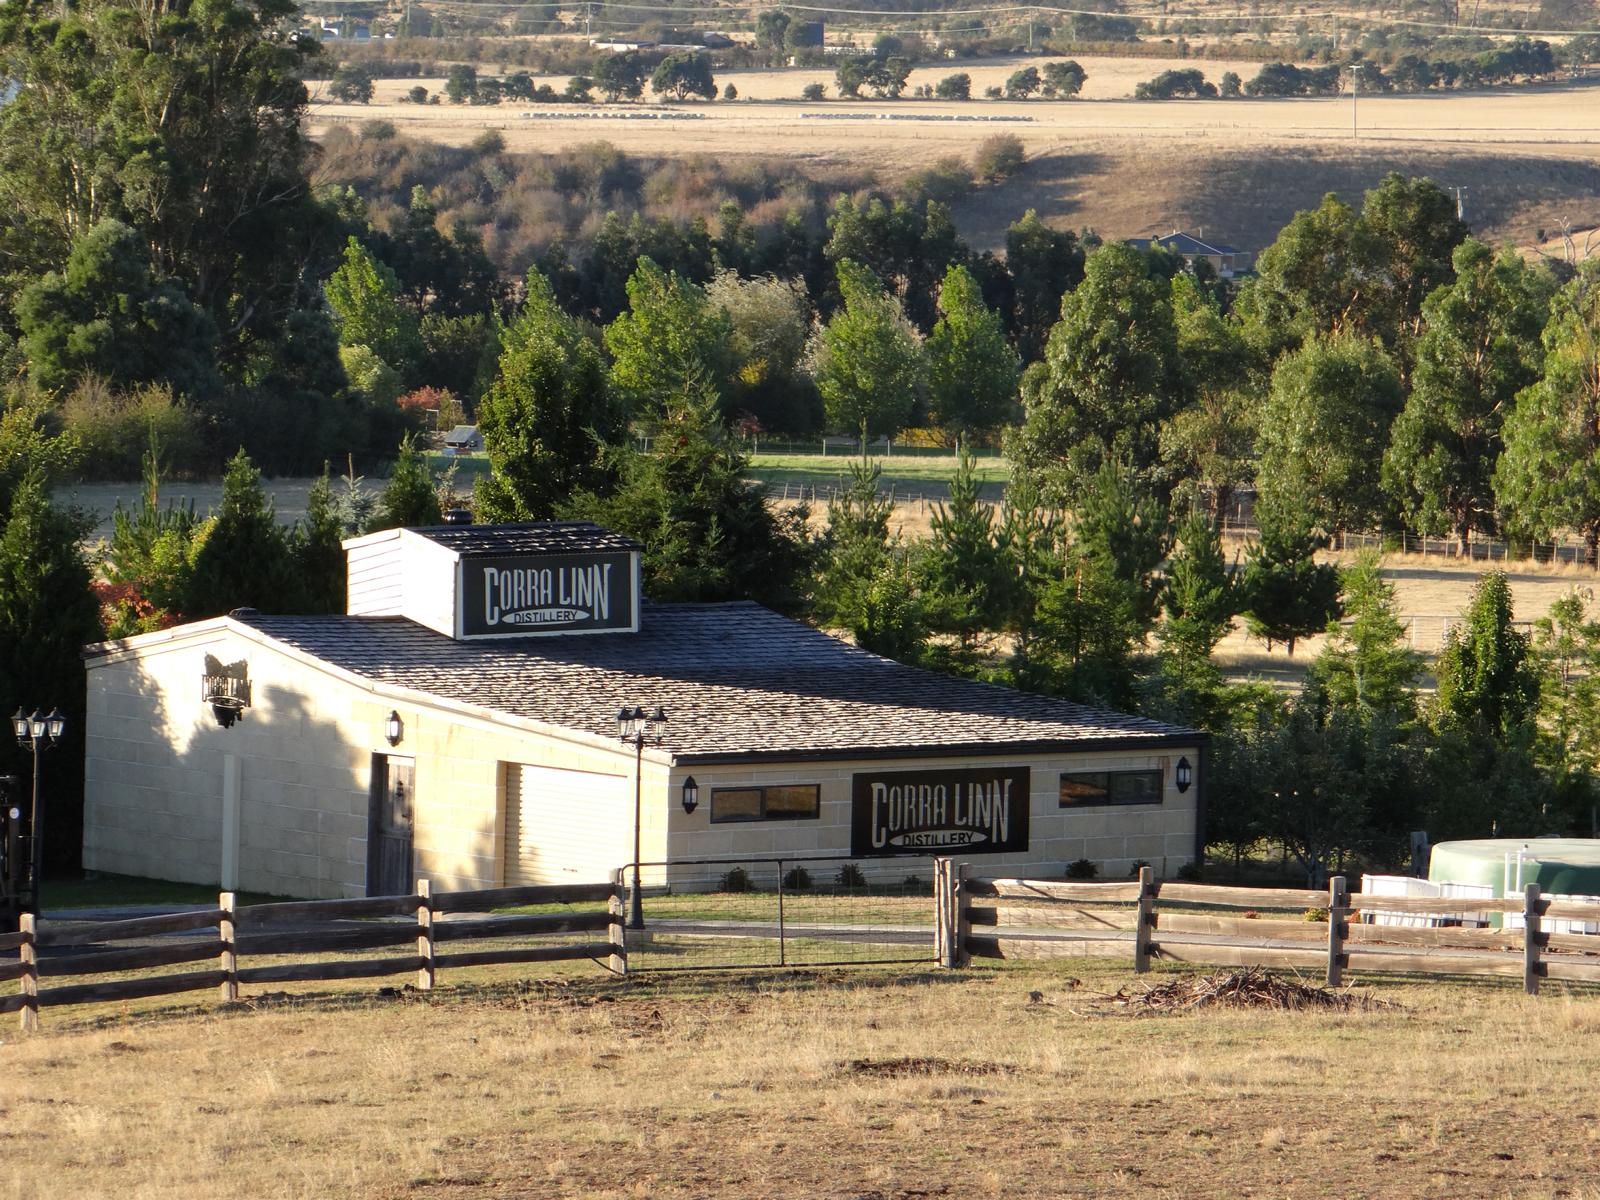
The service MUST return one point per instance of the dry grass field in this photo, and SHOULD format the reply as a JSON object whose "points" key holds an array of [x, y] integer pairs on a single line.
{"points": [[1237, 168], [838, 1085]]}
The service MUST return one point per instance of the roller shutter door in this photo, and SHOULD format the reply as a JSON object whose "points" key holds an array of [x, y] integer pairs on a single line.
{"points": [[565, 826]]}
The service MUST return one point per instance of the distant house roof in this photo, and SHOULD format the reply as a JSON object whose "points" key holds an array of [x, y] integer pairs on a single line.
{"points": [[738, 681], [1181, 243]]}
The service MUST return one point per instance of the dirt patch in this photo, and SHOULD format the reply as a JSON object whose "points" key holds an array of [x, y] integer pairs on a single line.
{"points": [[905, 1068]]}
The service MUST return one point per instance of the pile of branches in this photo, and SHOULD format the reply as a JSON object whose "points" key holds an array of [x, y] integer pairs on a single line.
{"points": [[1249, 988]]}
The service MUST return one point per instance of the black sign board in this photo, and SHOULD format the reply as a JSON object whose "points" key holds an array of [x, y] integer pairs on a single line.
{"points": [[977, 811], [547, 593]]}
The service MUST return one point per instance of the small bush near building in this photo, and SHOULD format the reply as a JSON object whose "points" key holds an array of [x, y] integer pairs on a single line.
{"points": [[798, 879], [736, 880], [850, 876], [1082, 869]]}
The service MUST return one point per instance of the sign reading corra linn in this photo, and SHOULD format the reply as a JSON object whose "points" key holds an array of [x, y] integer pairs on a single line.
{"points": [[981, 811], [547, 593]]}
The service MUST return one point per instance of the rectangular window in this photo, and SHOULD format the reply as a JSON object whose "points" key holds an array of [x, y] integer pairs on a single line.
{"points": [[1084, 789], [786, 802]]}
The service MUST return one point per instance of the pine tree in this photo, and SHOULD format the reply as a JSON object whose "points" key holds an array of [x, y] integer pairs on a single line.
{"points": [[864, 581], [549, 419], [242, 559], [48, 612], [707, 531], [316, 551], [1029, 541], [1364, 667], [1198, 596], [409, 498], [961, 565], [1486, 678], [1287, 593]]}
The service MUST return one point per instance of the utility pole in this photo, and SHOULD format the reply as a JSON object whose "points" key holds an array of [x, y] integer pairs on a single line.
{"points": [[1355, 88]]}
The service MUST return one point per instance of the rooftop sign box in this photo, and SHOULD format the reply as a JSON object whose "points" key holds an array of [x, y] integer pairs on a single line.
{"points": [[499, 581]]}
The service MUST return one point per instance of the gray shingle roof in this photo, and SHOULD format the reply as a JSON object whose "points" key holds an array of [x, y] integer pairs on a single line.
{"points": [[737, 680], [535, 537]]}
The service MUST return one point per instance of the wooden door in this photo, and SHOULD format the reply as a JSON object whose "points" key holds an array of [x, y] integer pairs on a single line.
{"points": [[389, 869]]}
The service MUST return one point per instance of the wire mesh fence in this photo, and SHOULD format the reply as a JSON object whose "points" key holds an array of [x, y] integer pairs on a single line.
{"points": [[710, 914]]}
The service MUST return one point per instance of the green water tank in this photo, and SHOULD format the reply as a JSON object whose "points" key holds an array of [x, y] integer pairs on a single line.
{"points": [[1567, 866]]}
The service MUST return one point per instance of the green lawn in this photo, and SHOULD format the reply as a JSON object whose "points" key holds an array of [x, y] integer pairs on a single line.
{"points": [[909, 476]]}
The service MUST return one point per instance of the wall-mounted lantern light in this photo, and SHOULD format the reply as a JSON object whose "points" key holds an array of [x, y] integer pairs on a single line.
{"points": [[393, 730], [228, 697], [1183, 775], [691, 795]]}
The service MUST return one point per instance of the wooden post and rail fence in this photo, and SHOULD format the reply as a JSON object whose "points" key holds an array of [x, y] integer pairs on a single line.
{"points": [[1149, 922], [227, 934]]}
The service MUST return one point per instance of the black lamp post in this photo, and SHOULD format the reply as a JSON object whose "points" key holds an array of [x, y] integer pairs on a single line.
{"points": [[635, 728], [37, 732]]}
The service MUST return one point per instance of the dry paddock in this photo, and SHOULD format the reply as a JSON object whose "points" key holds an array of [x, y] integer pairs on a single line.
{"points": [[1007, 1083]]}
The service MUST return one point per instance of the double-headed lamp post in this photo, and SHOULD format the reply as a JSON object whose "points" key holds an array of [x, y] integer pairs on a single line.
{"points": [[637, 728], [37, 732]]}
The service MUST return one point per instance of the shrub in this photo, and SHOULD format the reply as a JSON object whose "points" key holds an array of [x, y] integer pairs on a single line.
{"points": [[377, 131], [489, 143], [999, 157], [418, 95], [1139, 865], [1082, 869], [116, 429], [736, 880], [993, 93], [814, 91], [1231, 85], [914, 884], [730, 92], [954, 87], [1315, 916], [797, 879], [1189, 872], [850, 876]]}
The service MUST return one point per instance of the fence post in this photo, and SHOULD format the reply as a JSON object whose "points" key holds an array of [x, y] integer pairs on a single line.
{"points": [[425, 935], [228, 959], [1338, 928], [1532, 939], [29, 953], [1145, 921], [944, 903], [615, 932], [963, 921]]}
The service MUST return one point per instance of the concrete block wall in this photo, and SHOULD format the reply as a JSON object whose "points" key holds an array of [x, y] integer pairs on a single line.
{"points": [[1113, 837], [305, 748]]}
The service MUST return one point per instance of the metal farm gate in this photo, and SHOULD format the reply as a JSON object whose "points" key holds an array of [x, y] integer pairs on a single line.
{"points": [[794, 911]]}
